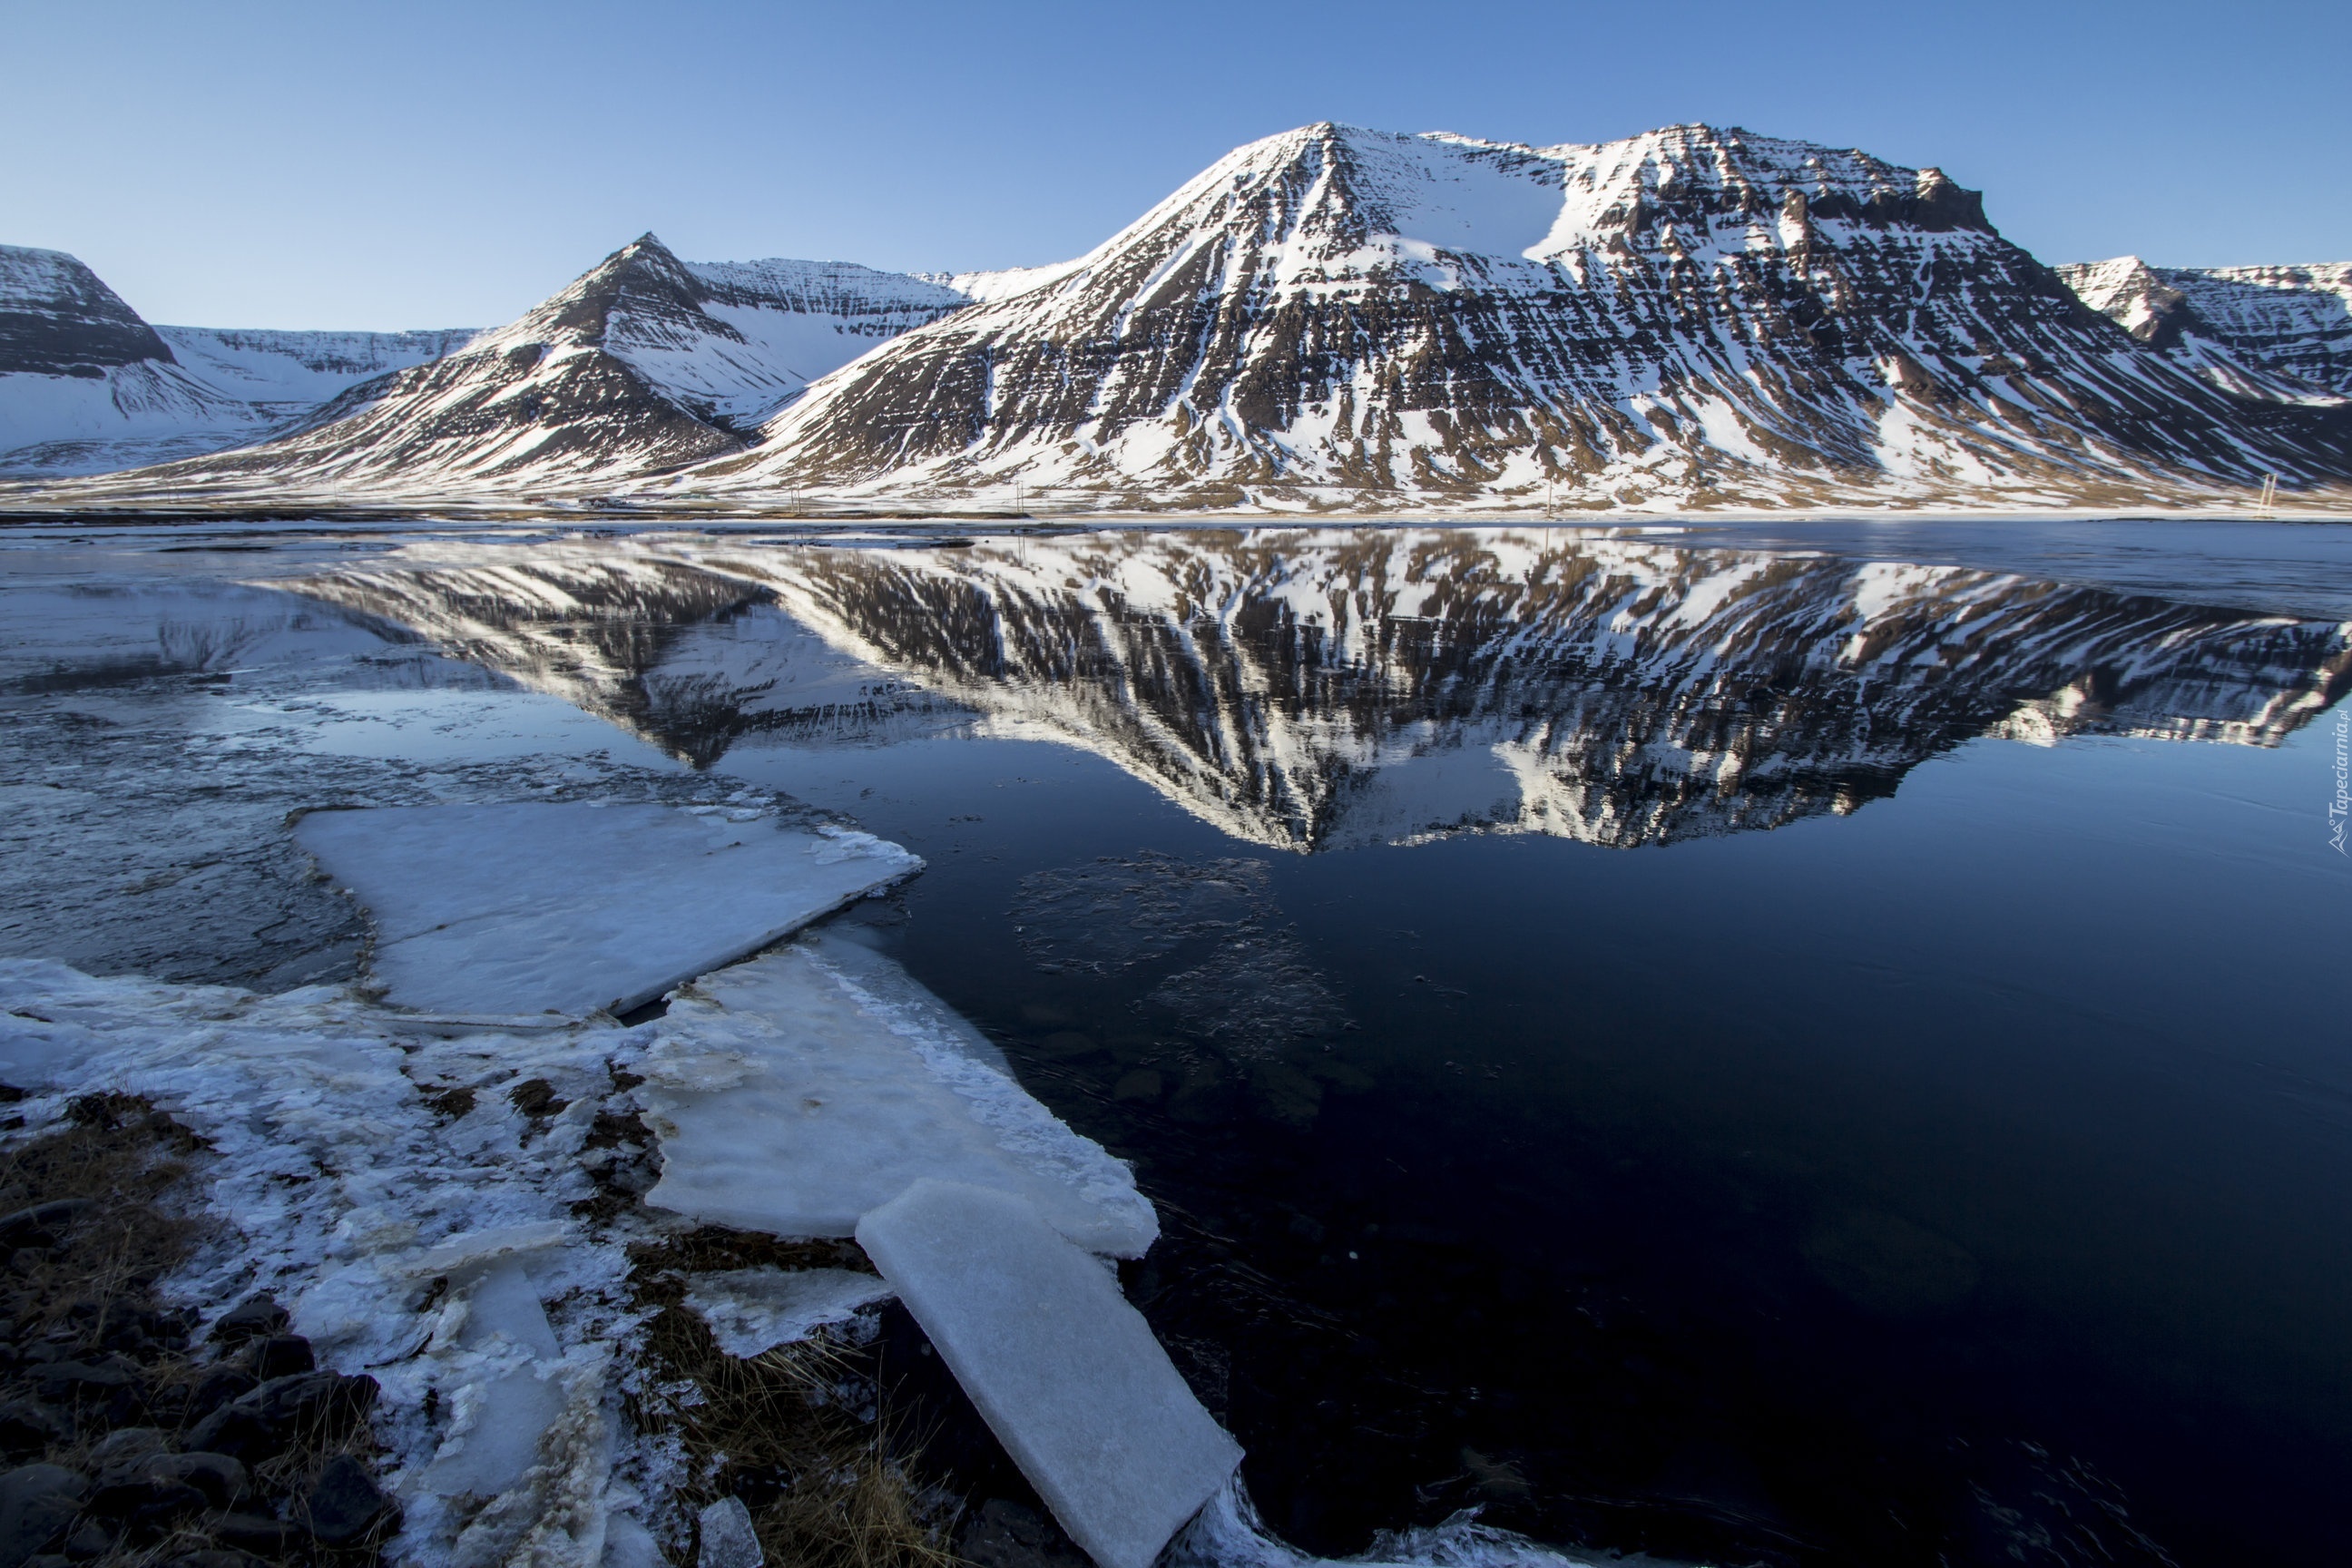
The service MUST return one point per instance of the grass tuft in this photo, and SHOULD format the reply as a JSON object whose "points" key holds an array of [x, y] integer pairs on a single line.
{"points": [[796, 1432]]}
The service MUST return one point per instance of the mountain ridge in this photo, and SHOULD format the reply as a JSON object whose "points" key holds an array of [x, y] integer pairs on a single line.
{"points": [[1338, 319], [87, 385], [1430, 319]]}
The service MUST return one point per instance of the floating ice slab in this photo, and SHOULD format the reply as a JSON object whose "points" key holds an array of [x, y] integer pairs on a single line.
{"points": [[790, 1097], [1068, 1375], [753, 1310], [572, 908]]}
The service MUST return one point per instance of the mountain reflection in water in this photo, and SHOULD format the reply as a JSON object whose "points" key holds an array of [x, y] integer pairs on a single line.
{"points": [[1308, 689]]}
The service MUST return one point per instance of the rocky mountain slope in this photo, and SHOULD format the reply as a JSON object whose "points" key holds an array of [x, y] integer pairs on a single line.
{"points": [[1336, 316], [1339, 318], [643, 364], [1321, 688], [86, 385], [2283, 333]]}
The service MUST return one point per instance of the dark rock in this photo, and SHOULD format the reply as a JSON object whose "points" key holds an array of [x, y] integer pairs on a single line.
{"points": [[238, 1433], [1004, 1534], [36, 1503], [87, 1539], [124, 1449], [257, 1532], [43, 1225], [280, 1355], [270, 1419], [28, 1428], [109, 1381], [145, 1500], [220, 1386], [344, 1503], [252, 1318], [327, 1399], [221, 1478]]}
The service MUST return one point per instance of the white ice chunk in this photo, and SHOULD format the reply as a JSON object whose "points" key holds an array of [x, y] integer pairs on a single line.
{"points": [[503, 1417], [463, 1255], [1067, 1375], [571, 908], [629, 1544], [505, 1306], [754, 1309], [728, 1537], [789, 1100]]}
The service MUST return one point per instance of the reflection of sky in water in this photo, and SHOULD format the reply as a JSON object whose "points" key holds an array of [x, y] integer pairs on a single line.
{"points": [[1967, 1139]]}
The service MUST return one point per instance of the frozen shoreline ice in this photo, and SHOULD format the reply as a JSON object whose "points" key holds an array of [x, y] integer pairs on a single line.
{"points": [[581, 907], [792, 1100]]}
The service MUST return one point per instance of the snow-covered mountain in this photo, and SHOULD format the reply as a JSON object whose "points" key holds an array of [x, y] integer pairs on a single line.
{"points": [[1337, 317], [643, 364], [1343, 320], [2284, 333], [288, 373], [1310, 690], [87, 387]]}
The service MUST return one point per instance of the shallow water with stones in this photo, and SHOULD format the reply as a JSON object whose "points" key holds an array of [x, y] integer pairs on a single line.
{"points": [[1824, 1045]]}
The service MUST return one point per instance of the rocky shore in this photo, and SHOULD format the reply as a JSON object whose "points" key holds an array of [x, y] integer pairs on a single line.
{"points": [[134, 1431]]}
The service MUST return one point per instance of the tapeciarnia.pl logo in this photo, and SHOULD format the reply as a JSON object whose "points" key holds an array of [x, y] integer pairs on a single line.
{"points": [[2341, 806]]}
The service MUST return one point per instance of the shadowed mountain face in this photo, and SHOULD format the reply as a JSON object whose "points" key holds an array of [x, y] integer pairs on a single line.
{"points": [[2277, 332], [1309, 690], [57, 318]]}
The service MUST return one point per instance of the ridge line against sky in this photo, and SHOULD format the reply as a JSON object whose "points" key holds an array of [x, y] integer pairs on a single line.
{"points": [[440, 164]]}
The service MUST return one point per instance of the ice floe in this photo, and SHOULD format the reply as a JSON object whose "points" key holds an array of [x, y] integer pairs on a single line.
{"points": [[574, 908], [790, 1099], [1066, 1373]]}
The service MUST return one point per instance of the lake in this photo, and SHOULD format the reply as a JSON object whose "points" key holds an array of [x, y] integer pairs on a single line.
{"points": [[1816, 1043]]}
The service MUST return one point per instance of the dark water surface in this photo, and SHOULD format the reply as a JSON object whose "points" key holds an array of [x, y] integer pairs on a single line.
{"points": [[1817, 1054]]}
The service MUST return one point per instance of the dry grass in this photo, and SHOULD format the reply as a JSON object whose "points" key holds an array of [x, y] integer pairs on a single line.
{"points": [[125, 1155], [782, 1430]]}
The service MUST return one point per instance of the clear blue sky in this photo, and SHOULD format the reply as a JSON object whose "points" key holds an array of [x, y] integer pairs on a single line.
{"points": [[343, 164]]}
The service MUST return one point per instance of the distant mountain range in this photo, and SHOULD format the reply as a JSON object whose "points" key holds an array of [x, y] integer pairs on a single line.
{"points": [[1330, 320], [1316, 689], [87, 387]]}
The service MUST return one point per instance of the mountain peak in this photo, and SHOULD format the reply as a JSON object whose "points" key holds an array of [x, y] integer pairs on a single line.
{"points": [[1334, 314], [59, 318]]}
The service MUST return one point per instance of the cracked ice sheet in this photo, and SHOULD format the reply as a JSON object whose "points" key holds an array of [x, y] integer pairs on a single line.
{"points": [[580, 906], [340, 1190], [796, 1092]]}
